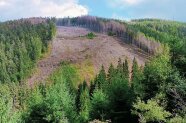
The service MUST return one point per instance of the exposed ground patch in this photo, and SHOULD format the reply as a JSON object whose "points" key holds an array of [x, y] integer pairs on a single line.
{"points": [[88, 55]]}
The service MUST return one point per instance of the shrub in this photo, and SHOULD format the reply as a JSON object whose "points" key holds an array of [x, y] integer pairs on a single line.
{"points": [[91, 35]]}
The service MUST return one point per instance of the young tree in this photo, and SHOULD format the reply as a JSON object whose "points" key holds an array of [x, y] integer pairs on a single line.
{"points": [[99, 105], [92, 88], [120, 66], [155, 73], [84, 112], [111, 73], [126, 69], [150, 111], [136, 80], [101, 79], [119, 94]]}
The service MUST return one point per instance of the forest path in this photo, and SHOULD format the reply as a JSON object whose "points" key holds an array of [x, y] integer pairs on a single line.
{"points": [[72, 45]]}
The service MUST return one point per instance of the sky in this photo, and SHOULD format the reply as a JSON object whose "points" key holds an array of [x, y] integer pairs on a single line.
{"points": [[118, 9]]}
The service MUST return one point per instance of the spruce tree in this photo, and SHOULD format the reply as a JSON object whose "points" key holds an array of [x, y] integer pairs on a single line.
{"points": [[84, 85], [84, 106], [99, 105], [156, 73], [111, 72], [119, 66], [92, 88], [136, 80], [126, 69], [102, 83], [120, 98], [135, 70], [79, 91]]}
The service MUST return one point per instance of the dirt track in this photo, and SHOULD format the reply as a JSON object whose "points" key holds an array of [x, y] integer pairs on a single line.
{"points": [[70, 44]]}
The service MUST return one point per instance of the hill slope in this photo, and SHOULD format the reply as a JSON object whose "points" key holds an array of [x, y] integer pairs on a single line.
{"points": [[71, 44]]}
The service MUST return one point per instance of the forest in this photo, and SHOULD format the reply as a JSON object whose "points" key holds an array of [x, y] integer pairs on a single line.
{"points": [[154, 93], [166, 32], [21, 45]]}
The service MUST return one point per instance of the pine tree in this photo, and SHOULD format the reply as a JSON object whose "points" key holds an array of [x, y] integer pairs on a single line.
{"points": [[156, 73], [119, 66], [111, 73], [135, 70], [84, 106], [126, 69], [96, 83], [79, 91], [136, 80], [120, 98], [84, 85], [92, 88], [102, 83], [99, 105]]}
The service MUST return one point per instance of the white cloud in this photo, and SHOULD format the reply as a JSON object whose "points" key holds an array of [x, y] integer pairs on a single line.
{"points": [[3, 3], [131, 2], [123, 3], [43, 8]]}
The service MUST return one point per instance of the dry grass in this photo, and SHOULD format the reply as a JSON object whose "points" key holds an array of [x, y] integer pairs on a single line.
{"points": [[85, 70]]}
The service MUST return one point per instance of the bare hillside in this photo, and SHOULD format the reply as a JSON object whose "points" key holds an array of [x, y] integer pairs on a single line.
{"points": [[72, 45]]}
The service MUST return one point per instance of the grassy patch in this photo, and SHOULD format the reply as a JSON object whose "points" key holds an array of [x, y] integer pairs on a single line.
{"points": [[74, 74], [48, 52], [68, 72], [85, 71]]}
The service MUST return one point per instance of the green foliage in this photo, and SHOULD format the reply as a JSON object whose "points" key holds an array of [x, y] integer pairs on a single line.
{"points": [[8, 109], [155, 74], [176, 92], [120, 98], [92, 88], [55, 103], [84, 112], [99, 105], [21, 45], [90, 35], [150, 111], [167, 32], [111, 73], [136, 80], [126, 69], [60, 102], [101, 79], [177, 119]]}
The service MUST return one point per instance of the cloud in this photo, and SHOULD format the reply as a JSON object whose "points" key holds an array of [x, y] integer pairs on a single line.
{"points": [[131, 2], [13, 9], [3, 3], [124, 3]]}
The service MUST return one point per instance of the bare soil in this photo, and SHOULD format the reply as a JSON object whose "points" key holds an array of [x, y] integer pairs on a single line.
{"points": [[71, 44]]}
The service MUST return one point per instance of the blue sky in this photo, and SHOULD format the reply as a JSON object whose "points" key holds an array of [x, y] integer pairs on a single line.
{"points": [[119, 9]]}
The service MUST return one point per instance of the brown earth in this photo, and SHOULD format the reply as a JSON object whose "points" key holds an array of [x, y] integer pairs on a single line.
{"points": [[72, 45]]}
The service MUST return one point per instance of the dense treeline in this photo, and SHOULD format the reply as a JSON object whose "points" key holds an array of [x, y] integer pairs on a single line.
{"points": [[154, 93], [112, 28], [52, 102], [21, 45], [166, 32]]}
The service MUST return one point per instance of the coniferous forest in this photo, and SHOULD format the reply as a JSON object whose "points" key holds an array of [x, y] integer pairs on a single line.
{"points": [[153, 93], [21, 45]]}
